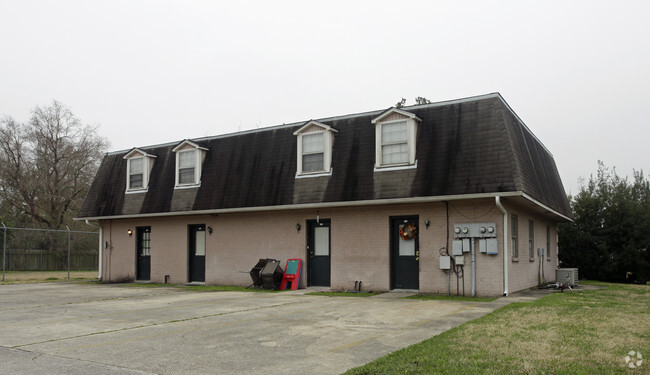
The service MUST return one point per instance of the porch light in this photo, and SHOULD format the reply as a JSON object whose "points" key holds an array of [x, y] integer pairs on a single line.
{"points": [[298, 227], [130, 232]]}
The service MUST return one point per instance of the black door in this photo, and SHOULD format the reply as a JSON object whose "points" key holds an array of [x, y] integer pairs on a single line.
{"points": [[196, 242], [143, 253], [405, 253], [318, 253]]}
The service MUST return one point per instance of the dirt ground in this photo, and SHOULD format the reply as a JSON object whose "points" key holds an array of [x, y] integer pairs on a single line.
{"points": [[21, 277]]}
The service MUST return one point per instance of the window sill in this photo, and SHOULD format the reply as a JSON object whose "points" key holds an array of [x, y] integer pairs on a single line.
{"points": [[531, 259], [314, 174], [136, 191], [395, 167], [515, 259], [192, 186]]}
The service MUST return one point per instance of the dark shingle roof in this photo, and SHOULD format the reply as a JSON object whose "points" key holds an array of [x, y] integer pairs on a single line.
{"points": [[467, 146]]}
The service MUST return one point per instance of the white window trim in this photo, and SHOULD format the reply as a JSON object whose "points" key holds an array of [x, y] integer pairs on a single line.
{"points": [[327, 152], [396, 167], [197, 168], [328, 140], [315, 174], [147, 165], [411, 135], [188, 145]]}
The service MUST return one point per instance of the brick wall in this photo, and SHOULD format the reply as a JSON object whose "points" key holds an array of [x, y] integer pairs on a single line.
{"points": [[360, 246]]}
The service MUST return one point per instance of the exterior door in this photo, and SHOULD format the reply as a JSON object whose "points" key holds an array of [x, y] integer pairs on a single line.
{"points": [[143, 253], [196, 247], [318, 253], [405, 253]]}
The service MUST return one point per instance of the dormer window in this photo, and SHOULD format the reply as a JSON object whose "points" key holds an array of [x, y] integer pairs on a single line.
{"points": [[138, 166], [395, 132], [313, 152], [315, 142], [136, 173], [394, 143], [189, 162]]}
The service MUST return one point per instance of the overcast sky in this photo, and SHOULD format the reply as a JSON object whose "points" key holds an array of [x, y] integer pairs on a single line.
{"points": [[576, 72]]}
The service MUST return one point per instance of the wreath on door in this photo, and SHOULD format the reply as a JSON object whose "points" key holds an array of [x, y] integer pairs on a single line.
{"points": [[408, 231]]}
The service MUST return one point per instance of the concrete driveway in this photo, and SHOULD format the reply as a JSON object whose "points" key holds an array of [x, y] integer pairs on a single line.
{"points": [[65, 328]]}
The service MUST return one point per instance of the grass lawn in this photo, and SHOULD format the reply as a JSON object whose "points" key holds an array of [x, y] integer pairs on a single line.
{"points": [[23, 277], [575, 332]]}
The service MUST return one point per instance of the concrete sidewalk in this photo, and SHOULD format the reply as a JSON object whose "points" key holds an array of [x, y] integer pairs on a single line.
{"points": [[109, 329]]}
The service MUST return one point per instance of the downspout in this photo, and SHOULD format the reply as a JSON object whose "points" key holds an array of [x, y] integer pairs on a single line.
{"points": [[505, 244], [101, 247]]}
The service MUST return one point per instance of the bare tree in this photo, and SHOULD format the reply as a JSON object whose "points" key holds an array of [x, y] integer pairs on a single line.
{"points": [[47, 165]]}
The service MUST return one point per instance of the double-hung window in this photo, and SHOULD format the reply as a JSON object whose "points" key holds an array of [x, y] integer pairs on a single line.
{"points": [[531, 240], [189, 162], [187, 167], [138, 168], [515, 234], [313, 152], [548, 242], [315, 142], [396, 133], [136, 173], [394, 143]]}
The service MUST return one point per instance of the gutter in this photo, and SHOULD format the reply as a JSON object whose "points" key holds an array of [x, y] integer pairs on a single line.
{"points": [[101, 241], [497, 200], [307, 206]]}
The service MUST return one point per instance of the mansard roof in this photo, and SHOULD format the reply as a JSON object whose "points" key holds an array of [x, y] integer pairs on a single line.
{"points": [[466, 148]]}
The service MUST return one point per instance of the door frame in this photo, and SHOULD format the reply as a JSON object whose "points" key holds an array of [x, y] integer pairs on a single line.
{"points": [[311, 225], [393, 249]]}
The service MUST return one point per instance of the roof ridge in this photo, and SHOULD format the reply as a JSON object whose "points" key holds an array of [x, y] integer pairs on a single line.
{"points": [[299, 123]]}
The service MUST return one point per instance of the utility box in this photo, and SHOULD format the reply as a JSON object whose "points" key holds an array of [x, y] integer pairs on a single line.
{"points": [[466, 245], [460, 260], [445, 262], [457, 247], [492, 246], [567, 275], [482, 245]]}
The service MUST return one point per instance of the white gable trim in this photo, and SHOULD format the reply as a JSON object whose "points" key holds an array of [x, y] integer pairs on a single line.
{"points": [[393, 110], [136, 150], [315, 123], [187, 142]]}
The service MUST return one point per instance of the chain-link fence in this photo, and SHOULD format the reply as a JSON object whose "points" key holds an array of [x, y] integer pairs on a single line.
{"points": [[31, 249]]}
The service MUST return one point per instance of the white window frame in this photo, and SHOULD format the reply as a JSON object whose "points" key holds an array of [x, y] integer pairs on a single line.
{"points": [[147, 165], [328, 140], [195, 167], [199, 155], [411, 137]]}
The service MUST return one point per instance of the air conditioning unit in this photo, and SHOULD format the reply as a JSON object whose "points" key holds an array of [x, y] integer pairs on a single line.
{"points": [[568, 275]]}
